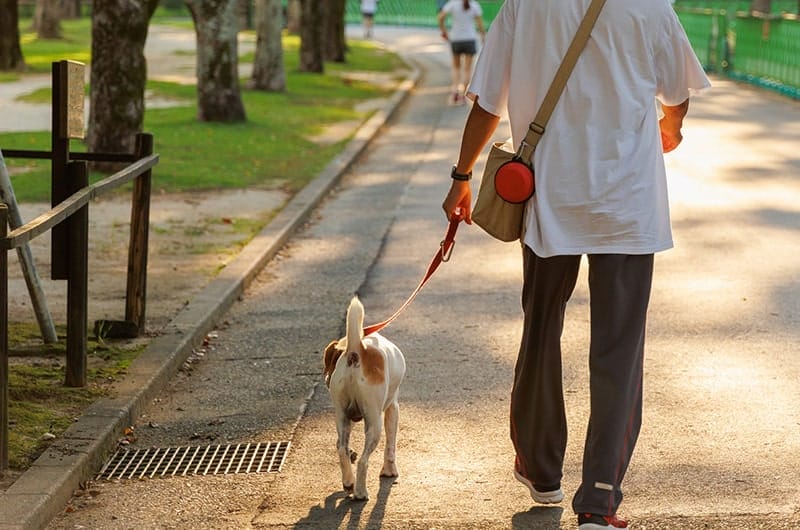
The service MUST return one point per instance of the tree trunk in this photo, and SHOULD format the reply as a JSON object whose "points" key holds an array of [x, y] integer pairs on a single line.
{"points": [[118, 73], [71, 9], [311, 28], [762, 6], [219, 97], [10, 51], [244, 13], [47, 19], [294, 11], [268, 70], [335, 43]]}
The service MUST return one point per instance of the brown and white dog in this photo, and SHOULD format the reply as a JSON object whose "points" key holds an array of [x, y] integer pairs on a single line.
{"points": [[363, 375]]}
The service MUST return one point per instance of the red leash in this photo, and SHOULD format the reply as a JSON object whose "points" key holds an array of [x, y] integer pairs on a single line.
{"points": [[442, 255]]}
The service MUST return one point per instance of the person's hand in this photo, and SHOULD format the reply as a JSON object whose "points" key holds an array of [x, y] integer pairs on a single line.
{"points": [[671, 135], [457, 204], [444, 35], [670, 125]]}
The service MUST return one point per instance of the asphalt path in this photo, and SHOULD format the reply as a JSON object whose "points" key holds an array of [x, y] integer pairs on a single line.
{"points": [[720, 444]]}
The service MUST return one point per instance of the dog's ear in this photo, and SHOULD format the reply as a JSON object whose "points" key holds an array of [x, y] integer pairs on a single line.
{"points": [[332, 354]]}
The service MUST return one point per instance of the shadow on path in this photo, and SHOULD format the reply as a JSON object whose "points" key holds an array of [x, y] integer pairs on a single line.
{"points": [[341, 511]]}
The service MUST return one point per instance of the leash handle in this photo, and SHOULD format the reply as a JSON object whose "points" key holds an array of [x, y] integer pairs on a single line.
{"points": [[442, 255]]}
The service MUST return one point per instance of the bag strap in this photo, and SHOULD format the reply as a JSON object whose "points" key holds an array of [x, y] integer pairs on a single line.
{"points": [[537, 127]]}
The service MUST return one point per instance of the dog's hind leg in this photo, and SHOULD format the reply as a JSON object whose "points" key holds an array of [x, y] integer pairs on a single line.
{"points": [[390, 421], [343, 428], [372, 435]]}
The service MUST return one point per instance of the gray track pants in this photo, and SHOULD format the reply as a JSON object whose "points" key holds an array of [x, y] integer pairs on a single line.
{"points": [[619, 287]]}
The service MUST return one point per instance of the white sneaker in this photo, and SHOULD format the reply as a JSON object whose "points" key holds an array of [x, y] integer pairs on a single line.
{"points": [[542, 497]]}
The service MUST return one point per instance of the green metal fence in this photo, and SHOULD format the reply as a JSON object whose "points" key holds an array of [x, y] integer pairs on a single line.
{"points": [[777, 6], [421, 13], [760, 49], [763, 49], [769, 51]]}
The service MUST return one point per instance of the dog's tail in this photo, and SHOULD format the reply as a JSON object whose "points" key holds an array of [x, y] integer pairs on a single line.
{"points": [[355, 330]]}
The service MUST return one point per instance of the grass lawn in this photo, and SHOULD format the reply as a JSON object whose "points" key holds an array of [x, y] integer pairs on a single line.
{"points": [[274, 148], [39, 403]]}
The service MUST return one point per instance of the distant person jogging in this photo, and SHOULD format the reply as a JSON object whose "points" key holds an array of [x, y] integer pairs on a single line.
{"points": [[368, 10], [466, 17]]}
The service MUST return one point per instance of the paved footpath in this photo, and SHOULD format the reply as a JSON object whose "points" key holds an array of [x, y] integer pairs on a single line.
{"points": [[720, 445]]}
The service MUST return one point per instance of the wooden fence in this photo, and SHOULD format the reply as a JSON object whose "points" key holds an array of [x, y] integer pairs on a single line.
{"points": [[68, 223]]}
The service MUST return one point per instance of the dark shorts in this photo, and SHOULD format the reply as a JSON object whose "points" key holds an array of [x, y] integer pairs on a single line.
{"points": [[463, 47], [367, 14]]}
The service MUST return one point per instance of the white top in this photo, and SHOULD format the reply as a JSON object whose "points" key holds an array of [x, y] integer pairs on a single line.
{"points": [[600, 178], [463, 24], [369, 6]]}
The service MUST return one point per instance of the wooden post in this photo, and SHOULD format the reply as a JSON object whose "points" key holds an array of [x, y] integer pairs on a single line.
{"points": [[67, 122], [136, 294], [3, 341], [59, 148], [32, 280], [77, 281]]}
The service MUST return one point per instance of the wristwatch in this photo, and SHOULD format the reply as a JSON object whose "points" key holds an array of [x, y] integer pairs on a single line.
{"points": [[455, 175]]}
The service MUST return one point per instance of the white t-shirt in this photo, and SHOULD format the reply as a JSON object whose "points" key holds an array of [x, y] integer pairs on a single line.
{"points": [[463, 24], [600, 178]]}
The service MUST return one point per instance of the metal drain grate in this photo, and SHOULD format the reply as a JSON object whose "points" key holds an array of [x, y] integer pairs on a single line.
{"points": [[267, 457]]}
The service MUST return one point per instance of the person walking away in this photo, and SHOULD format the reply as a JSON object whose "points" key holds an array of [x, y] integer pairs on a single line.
{"points": [[368, 9], [466, 17], [601, 191]]}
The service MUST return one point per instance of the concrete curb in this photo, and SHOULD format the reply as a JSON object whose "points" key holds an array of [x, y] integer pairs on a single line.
{"points": [[46, 487]]}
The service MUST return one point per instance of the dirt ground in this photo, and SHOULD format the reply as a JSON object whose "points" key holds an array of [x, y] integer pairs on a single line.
{"points": [[192, 236]]}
